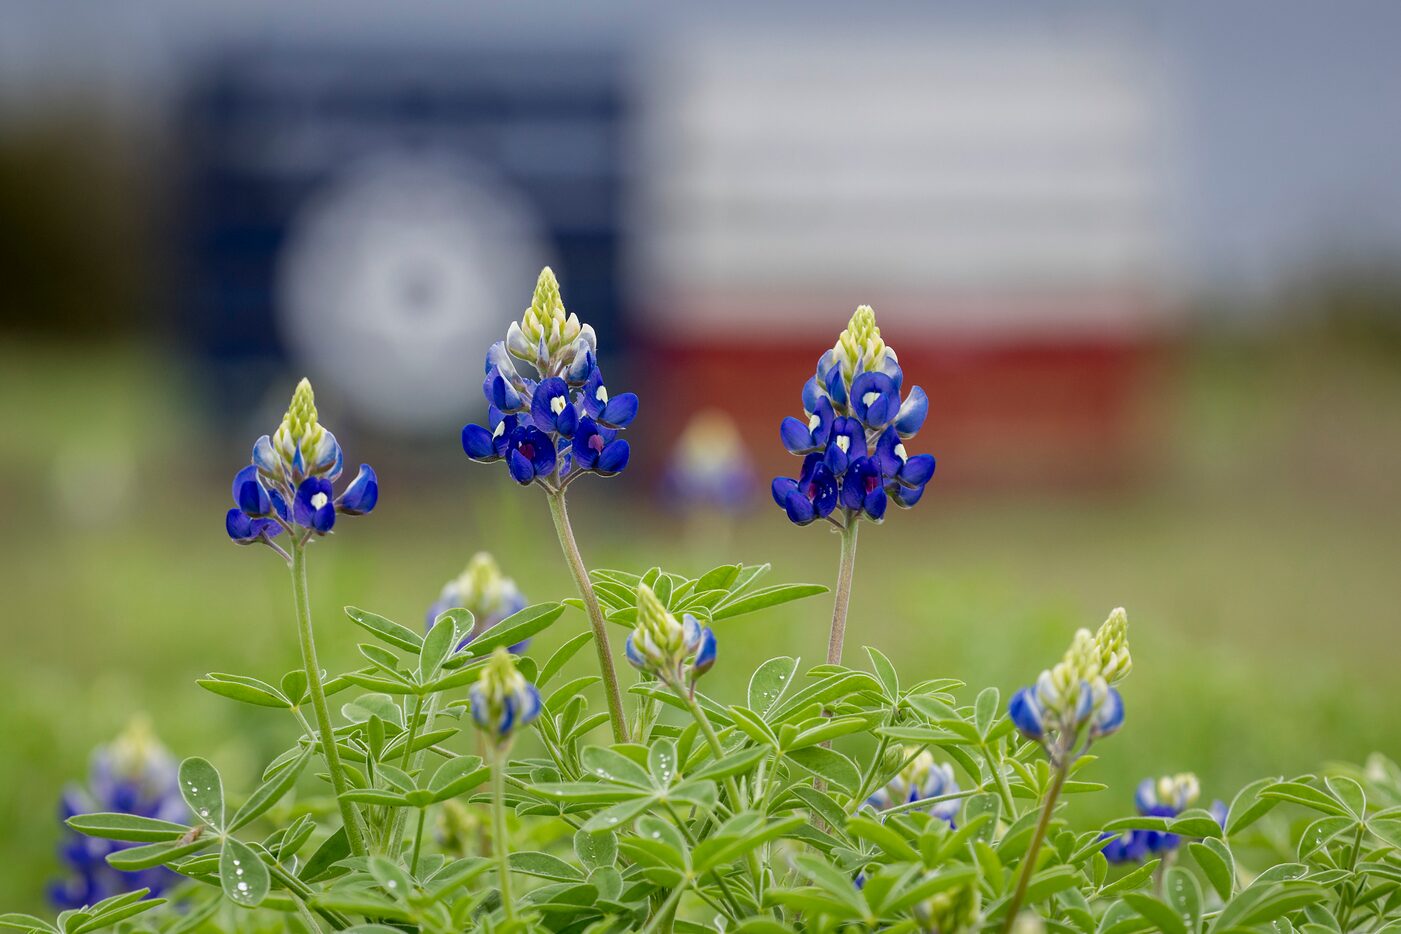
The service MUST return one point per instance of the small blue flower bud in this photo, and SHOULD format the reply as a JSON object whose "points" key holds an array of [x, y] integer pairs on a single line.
{"points": [[1026, 716], [502, 700], [913, 411], [362, 494], [484, 591]]}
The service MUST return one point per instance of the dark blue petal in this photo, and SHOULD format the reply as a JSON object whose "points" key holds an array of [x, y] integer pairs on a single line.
{"points": [[250, 494], [1025, 714], [912, 413], [917, 470], [519, 465], [265, 457], [552, 393], [567, 422], [812, 396], [614, 457], [620, 410], [590, 395], [906, 497], [323, 519], [305, 507], [362, 494], [705, 654], [633, 656], [588, 442], [239, 526], [781, 488], [795, 436], [478, 443], [874, 504], [836, 386], [799, 508], [835, 459]]}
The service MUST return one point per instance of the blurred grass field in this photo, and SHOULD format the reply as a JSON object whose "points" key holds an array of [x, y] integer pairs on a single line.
{"points": [[1259, 564]]}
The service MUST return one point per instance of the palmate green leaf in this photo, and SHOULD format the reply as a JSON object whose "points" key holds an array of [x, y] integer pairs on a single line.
{"points": [[612, 766], [16, 921], [1184, 894], [829, 765], [895, 846], [244, 689], [1130, 880], [1247, 806], [1163, 916], [270, 792], [769, 683], [763, 599], [117, 913], [515, 628], [1349, 793], [387, 631], [545, 866], [203, 790], [242, 874], [1307, 795], [441, 640], [885, 672], [1260, 904], [126, 827], [136, 858], [457, 776], [1216, 864], [561, 658]]}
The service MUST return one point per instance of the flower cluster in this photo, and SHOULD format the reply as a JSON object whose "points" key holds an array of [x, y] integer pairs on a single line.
{"points": [[287, 487], [502, 700], [709, 469], [1077, 694], [134, 774], [676, 652], [561, 422], [853, 442], [484, 591], [921, 778], [1168, 797]]}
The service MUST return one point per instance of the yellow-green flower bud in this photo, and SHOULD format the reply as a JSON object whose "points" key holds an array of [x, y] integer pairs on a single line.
{"points": [[1115, 662], [305, 447], [860, 346], [956, 910], [547, 336]]}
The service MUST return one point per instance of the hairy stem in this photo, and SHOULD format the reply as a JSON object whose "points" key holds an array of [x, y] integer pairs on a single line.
{"points": [[843, 597], [498, 831], [354, 834], [1033, 850], [595, 613]]}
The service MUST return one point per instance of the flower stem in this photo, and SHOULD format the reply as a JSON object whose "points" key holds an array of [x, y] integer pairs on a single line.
{"points": [[843, 597], [595, 613], [353, 833], [1033, 850], [498, 832], [418, 841]]}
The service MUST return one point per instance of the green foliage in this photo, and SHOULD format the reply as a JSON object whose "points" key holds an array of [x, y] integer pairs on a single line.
{"points": [[745, 814]]}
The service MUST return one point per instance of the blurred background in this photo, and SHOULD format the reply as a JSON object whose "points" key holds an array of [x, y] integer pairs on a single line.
{"points": [[1145, 259]]}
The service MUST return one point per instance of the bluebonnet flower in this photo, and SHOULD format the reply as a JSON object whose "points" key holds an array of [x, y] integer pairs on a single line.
{"points": [[1076, 699], [853, 440], [1167, 797], [134, 774], [560, 423], [502, 700], [709, 469], [677, 652], [483, 590], [288, 487], [921, 778]]}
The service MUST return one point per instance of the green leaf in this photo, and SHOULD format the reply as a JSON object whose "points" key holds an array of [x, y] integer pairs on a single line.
{"points": [[769, 682], [366, 706], [985, 710], [515, 628], [456, 776], [242, 874], [1130, 881], [732, 763], [244, 689], [127, 827], [136, 858], [1160, 913], [1307, 795], [545, 866], [1216, 864], [1184, 895], [764, 598], [401, 637], [662, 763], [439, 642], [323, 863], [1349, 793], [596, 850], [294, 686], [613, 766], [23, 922], [203, 790], [885, 672], [1247, 807], [561, 657], [270, 791], [720, 578], [830, 765], [117, 913]]}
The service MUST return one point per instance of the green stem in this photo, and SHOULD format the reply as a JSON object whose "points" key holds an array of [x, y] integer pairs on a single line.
{"points": [[353, 833], [600, 632], [1034, 848], [842, 600], [1346, 906], [1005, 790], [414, 760], [418, 841], [667, 910], [498, 832]]}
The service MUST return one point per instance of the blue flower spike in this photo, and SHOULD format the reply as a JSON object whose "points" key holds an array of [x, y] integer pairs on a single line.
{"points": [[1075, 702], [856, 419], [675, 651], [1167, 797], [563, 424], [920, 779], [503, 702], [133, 774], [288, 485], [485, 592]]}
